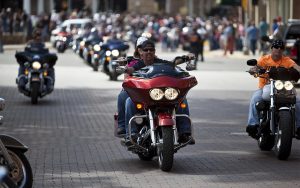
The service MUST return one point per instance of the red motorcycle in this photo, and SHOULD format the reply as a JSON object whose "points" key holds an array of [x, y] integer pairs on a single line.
{"points": [[158, 90]]}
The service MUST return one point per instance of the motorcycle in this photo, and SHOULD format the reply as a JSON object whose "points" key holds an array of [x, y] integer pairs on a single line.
{"points": [[15, 169], [62, 41], [157, 90], [277, 117], [114, 49], [37, 66]]}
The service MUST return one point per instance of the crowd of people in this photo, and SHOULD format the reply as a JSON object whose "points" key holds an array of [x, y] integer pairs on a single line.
{"points": [[173, 32]]}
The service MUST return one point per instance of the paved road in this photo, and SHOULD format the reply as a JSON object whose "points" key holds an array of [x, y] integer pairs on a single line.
{"points": [[70, 132]]}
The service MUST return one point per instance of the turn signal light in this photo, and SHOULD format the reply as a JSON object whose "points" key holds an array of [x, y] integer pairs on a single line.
{"points": [[182, 105], [26, 72], [139, 106], [45, 73]]}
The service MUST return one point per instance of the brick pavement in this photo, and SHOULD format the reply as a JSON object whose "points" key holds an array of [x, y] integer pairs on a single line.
{"points": [[71, 145]]}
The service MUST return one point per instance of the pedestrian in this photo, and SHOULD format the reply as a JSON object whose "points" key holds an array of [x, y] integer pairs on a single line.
{"points": [[229, 34], [251, 36], [263, 31], [196, 45]]}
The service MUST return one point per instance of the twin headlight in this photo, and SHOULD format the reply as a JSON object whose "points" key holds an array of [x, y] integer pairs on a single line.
{"points": [[279, 85], [115, 53], [169, 93]]}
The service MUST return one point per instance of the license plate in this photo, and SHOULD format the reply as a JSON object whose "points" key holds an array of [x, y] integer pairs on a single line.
{"points": [[35, 79]]}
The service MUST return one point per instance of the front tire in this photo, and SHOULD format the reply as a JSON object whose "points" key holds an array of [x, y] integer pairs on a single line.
{"points": [[166, 150], [35, 86], [283, 141], [22, 173]]}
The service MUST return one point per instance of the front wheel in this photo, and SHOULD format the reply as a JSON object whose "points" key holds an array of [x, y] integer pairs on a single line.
{"points": [[166, 149], [21, 174], [283, 141], [35, 87]]}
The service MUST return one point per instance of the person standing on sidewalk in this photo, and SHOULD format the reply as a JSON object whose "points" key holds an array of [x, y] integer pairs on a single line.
{"points": [[263, 31], [251, 36], [196, 45]]}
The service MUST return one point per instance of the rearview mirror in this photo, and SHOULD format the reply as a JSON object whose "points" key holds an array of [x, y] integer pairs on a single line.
{"points": [[252, 62]]}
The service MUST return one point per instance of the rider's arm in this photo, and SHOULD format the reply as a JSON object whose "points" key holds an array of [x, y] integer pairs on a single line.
{"points": [[297, 67], [185, 58]]}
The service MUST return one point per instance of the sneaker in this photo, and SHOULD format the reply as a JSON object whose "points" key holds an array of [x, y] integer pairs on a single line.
{"points": [[120, 131], [252, 131], [186, 137]]}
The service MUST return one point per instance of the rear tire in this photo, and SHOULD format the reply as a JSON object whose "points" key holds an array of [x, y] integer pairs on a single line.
{"points": [[284, 137], [166, 152], [35, 87]]}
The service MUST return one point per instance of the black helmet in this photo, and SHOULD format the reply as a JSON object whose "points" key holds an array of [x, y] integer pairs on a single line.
{"points": [[277, 44]]}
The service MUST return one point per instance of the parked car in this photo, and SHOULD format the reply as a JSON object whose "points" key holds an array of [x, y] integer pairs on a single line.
{"points": [[291, 38]]}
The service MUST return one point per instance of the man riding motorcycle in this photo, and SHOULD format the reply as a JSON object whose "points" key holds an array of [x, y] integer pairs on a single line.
{"points": [[147, 53], [276, 59], [34, 46]]}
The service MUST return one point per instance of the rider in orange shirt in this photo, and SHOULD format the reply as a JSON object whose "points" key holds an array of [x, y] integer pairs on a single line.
{"points": [[276, 59]]}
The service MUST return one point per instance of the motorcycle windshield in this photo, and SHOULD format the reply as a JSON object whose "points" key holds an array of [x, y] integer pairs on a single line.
{"points": [[281, 73], [161, 69]]}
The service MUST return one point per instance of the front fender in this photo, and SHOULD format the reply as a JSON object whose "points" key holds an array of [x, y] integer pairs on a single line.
{"points": [[13, 143], [165, 119]]}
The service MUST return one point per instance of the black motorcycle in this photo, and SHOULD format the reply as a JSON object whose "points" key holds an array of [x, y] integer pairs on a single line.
{"points": [[114, 49], [15, 169], [37, 65], [277, 117]]}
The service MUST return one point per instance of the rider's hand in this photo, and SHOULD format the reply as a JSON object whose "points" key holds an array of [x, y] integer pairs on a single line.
{"points": [[253, 70], [190, 56]]}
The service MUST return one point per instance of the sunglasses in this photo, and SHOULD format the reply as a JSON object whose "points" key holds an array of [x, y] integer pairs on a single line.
{"points": [[277, 47], [148, 50]]}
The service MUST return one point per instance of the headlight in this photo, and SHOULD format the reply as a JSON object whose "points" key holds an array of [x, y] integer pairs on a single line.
{"points": [[97, 47], [82, 43], [36, 65], [171, 93], [64, 39], [115, 53], [278, 85], [288, 85], [156, 94], [108, 53]]}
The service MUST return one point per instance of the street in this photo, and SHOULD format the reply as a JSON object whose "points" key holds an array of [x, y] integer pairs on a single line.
{"points": [[70, 132]]}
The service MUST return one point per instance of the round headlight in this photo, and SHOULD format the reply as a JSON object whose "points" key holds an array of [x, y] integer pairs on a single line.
{"points": [[288, 85], [278, 85], [108, 53], [64, 39], [97, 47], [82, 43], [36, 65], [115, 53], [171, 93], [156, 94]]}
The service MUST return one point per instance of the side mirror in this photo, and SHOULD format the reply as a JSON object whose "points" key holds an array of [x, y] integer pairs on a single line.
{"points": [[190, 67], [2, 104], [252, 62]]}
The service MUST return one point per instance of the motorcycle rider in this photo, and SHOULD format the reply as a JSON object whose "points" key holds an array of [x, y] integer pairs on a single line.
{"points": [[123, 94], [36, 46], [147, 53], [276, 58]]}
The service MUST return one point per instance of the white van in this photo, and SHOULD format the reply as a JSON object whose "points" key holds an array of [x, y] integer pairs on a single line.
{"points": [[68, 25]]}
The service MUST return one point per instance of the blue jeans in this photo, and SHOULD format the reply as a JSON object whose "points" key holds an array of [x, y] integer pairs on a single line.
{"points": [[253, 118], [183, 123], [121, 108]]}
